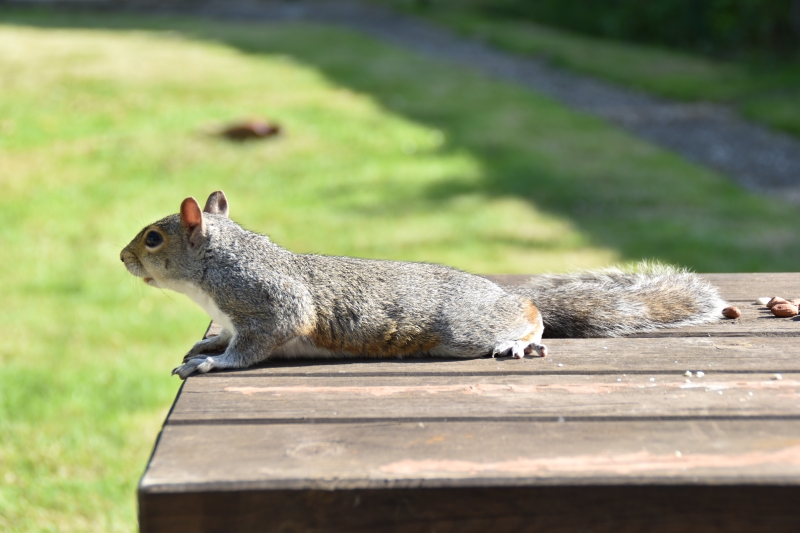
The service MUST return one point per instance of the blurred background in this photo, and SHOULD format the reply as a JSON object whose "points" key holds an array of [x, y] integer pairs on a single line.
{"points": [[112, 112]]}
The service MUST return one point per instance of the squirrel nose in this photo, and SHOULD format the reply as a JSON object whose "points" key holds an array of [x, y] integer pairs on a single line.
{"points": [[122, 256]]}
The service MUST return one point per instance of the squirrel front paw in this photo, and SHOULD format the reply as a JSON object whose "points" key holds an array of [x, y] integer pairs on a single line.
{"points": [[198, 365], [201, 365]]}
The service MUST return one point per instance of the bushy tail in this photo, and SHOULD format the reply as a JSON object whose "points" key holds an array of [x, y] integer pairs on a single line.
{"points": [[614, 302]]}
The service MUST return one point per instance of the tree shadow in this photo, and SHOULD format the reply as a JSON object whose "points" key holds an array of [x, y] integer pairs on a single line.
{"points": [[620, 192]]}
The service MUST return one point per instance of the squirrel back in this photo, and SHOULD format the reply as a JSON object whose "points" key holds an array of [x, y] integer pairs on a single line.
{"points": [[613, 302]]}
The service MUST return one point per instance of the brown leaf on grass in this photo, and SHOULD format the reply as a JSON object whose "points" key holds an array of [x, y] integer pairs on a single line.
{"points": [[248, 130]]}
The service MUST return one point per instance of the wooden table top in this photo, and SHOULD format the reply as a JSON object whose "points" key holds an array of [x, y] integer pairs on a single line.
{"points": [[602, 435]]}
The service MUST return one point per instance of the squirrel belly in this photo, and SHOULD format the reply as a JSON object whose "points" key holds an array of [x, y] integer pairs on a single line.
{"points": [[274, 303]]}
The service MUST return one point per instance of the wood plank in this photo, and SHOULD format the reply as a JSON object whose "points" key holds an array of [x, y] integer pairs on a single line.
{"points": [[756, 321], [583, 356], [460, 454], [733, 287], [370, 398], [595, 508]]}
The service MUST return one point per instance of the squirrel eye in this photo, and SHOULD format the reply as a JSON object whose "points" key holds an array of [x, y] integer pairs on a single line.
{"points": [[153, 239]]}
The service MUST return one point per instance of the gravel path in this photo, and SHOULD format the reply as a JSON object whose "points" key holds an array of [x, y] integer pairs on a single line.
{"points": [[758, 158]]}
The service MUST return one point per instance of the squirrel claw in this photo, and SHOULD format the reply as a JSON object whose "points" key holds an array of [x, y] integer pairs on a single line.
{"points": [[201, 365]]}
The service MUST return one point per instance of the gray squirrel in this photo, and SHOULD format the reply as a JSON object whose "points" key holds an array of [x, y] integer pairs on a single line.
{"points": [[271, 302]]}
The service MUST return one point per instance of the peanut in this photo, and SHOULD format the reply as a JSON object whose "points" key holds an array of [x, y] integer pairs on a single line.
{"points": [[775, 301], [784, 310], [731, 312]]}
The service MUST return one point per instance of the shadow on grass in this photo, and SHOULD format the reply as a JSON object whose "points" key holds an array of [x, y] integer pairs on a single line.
{"points": [[620, 192]]}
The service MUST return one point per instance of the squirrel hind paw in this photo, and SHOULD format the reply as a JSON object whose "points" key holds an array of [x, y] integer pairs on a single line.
{"points": [[540, 349], [504, 348], [519, 349]]}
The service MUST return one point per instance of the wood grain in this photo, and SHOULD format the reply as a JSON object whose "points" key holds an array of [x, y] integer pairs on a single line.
{"points": [[569, 356], [366, 398], [755, 321], [449, 454]]}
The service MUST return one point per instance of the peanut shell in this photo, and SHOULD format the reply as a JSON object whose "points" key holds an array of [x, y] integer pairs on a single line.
{"points": [[775, 301], [731, 312], [784, 310]]}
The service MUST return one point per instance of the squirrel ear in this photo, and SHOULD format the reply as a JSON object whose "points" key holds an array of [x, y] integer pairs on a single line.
{"points": [[217, 204], [192, 221]]}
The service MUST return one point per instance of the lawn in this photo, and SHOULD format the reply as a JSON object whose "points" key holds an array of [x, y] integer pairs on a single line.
{"points": [[763, 89], [105, 122]]}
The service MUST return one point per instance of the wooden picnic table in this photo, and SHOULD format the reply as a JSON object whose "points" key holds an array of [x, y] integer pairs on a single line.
{"points": [[602, 435]]}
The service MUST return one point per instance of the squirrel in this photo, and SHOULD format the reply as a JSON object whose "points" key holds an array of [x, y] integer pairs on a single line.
{"points": [[271, 302]]}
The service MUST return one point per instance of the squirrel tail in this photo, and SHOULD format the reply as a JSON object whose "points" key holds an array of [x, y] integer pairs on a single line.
{"points": [[615, 302]]}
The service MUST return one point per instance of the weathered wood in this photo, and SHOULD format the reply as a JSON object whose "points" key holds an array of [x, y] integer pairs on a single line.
{"points": [[756, 321], [365, 398], [194, 458], [455, 476], [569, 356]]}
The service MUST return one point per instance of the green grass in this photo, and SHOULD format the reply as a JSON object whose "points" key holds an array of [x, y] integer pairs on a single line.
{"points": [[763, 90], [385, 154]]}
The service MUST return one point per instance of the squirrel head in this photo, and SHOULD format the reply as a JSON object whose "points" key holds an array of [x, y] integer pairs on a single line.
{"points": [[171, 250]]}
